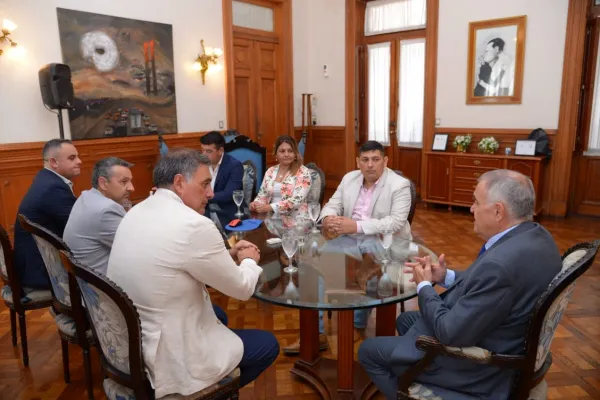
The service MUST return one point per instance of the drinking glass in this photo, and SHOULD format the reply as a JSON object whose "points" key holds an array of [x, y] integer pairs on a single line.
{"points": [[314, 210], [238, 197], [385, 287], [386, 236], [289, 243]]}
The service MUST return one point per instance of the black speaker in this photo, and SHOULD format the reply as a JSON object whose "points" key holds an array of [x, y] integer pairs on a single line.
{"points": [[56, 86]]}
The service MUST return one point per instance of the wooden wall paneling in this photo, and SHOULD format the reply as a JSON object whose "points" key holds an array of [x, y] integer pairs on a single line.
{"points": [[353, 32], [20, 162], [561, 164], [588, 187], [431, 46], [409, 162]]}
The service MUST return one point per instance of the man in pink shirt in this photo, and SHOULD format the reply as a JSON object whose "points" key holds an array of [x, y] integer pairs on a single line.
{"points": [[367, 201]]}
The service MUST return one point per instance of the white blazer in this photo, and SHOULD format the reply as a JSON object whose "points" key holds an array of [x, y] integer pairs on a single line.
{"points": [[390, 203], [163, 256]]}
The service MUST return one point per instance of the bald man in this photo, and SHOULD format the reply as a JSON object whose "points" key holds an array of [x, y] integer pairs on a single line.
{"points": [[48, 202]]}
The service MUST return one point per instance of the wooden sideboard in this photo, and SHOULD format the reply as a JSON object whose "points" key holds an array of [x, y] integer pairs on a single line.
{"points": [[452, 177]]}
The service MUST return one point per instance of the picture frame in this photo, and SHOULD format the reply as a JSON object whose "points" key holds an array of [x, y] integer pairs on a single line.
{"points": [[525, 148], [496, 61], [440, 141]]}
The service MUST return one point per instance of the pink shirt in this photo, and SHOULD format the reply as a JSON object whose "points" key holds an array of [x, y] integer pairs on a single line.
{"points": [[363, 204]]}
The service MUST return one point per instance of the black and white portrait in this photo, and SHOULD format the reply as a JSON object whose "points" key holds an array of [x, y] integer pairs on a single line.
{"points": [[496, 53], [495, 72]]}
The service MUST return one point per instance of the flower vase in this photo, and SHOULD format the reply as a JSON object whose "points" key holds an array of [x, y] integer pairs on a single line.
{"points": [[461, 149]]}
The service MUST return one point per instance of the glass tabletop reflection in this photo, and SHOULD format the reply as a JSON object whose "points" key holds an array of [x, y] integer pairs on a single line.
{"points": [[342, 273]]}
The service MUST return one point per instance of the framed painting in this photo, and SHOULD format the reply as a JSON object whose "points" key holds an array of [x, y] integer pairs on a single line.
{"points": [[122, 72], [495, 61]]}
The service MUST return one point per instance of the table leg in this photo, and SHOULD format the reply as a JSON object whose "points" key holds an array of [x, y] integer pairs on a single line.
{"points": [[385, 324], [345, 353]]}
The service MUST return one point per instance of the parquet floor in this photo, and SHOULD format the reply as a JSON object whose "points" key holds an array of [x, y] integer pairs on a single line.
{"points": [[575, 373]]}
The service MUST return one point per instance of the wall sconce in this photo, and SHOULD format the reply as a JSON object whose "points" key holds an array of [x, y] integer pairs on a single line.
{"points": [[7, 28], [209, 55]]}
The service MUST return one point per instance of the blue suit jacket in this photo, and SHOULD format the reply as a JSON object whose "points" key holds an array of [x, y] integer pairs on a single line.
{"points": [[229, 178], [48, 202], [489, 305]]}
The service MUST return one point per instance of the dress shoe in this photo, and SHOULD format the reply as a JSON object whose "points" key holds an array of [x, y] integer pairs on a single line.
{"points": [[294, 348]]}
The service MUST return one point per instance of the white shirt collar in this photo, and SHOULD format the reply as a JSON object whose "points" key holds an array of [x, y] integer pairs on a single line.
{"points": [[65, 180]]}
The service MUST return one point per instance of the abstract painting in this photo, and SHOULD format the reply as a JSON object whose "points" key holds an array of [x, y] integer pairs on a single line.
{"points": [[122, 72]]}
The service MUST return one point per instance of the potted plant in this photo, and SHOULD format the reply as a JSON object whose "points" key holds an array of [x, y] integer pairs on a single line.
{"points": [[462, 142], [488, 145]]}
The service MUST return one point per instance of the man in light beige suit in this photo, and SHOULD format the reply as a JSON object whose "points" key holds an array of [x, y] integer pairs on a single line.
{"points": [[164, 254], [366, 201]]}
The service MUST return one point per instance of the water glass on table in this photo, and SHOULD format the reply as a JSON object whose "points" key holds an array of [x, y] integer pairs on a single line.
{"points": [[238, 198]]}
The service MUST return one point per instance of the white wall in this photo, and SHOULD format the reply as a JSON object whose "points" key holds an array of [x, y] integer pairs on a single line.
{"points": [[544, 49], [23, 116], [320, 39]]}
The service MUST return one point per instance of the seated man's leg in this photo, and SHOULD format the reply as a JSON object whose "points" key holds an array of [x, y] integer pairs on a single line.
{"points": [[361, 317], [406, 320], [260, 351], [375, 355], [221, 316]]}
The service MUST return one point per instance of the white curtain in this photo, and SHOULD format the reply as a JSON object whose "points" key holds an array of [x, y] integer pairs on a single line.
{"points": [[412, 92], [384, 16], [379, 92], [594, 134]]}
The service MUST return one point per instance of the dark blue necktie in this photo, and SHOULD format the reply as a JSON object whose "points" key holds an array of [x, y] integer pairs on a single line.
{"points": [[481, 251]]}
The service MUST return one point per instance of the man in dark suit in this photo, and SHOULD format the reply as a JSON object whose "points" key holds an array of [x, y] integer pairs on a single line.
{"points": [[488, 305], [48, 202], [227, 174]]}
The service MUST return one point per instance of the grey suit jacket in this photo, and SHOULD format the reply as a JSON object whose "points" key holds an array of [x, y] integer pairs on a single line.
{"points": [[91, 229], [489, 305], [390, 203]]}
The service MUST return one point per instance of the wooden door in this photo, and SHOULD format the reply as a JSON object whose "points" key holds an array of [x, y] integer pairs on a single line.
{"points": [[585, 182], [259, 88]]}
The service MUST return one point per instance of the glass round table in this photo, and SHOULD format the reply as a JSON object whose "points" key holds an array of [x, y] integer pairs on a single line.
{"points": [[340, 274]]}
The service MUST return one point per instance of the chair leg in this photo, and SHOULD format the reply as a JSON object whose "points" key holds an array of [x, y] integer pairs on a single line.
{"points": [[23, 330], [87, 364], [65, 357], [329, 314], [13, 326], [401, 306]]}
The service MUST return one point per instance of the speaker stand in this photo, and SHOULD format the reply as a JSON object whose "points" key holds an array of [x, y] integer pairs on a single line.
{"points": [[61, 128]]}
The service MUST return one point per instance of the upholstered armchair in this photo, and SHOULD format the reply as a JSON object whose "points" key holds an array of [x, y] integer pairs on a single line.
{"points": [[116, 328], [33, 299], [242, 148], [72, 327], [317, 186], [533, 365]]}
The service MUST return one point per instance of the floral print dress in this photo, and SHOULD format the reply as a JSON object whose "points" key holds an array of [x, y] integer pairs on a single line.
{"points": [[294, 189]]}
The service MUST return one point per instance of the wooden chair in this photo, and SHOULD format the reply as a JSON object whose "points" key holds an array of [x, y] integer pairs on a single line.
{"points": [[72, 327], [33, 299], [116, 328], [242, 148], [536, 361], [317, 187]]}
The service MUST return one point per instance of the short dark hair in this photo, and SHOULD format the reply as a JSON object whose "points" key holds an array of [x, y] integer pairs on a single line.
{"points": [[180, 161], [103, 168], [497, 42], [371, 145], [51, 145], [213, 137]]}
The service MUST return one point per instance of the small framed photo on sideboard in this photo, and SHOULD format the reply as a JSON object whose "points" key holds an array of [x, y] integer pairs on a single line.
{"points": [[440, 141], [525, 148]]}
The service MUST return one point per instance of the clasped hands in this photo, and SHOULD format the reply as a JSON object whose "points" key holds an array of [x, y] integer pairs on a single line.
{"points": [[424, 270], [244, 249], [260, 207], [339, 225]]}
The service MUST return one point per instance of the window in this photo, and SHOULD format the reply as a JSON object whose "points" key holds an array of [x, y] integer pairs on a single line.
{"points": [[411, 89], [252, 16], [379, 92], [385, 16], [594, 134]]}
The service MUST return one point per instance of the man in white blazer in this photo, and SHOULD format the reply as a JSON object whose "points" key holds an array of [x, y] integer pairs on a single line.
{"points": [[367, 200], [97, 213], [164, 254]]}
